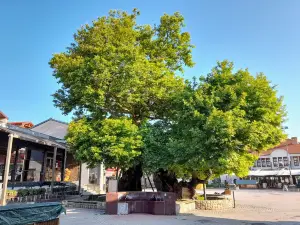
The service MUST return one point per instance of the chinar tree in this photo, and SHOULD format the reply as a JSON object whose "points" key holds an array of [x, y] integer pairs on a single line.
{"points": [[120, 74], [218, 127]]}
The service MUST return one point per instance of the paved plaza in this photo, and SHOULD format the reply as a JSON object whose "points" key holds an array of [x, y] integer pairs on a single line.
{"points": [[254, 207]]}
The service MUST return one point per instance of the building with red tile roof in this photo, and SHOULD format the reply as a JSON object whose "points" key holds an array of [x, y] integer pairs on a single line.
{"points": [[279, 164], [23, 124]]}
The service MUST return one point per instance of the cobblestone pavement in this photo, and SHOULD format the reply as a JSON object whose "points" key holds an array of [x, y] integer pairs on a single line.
{"points": [[253, 207]]}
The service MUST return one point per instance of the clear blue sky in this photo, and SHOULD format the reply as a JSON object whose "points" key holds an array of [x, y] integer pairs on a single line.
{"points": [[261, 35]]}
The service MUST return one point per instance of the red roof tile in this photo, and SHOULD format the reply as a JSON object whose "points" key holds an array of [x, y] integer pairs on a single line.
{"points": [[2, 115], [289, 147], [23, 124]]}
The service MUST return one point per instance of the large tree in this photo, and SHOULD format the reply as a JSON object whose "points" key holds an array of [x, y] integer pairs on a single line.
{"points": [[118, 68], [217, 127]]}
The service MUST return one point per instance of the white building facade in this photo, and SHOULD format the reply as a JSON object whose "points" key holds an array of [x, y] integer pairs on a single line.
{"points": [[278, 165]]}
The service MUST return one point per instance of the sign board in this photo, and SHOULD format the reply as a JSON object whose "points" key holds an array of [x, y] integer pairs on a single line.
{"points": [[112, 186], [243, 182]]}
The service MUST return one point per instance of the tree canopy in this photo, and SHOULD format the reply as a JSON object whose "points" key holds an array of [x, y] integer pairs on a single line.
{"points": [[116, 142], [116, 67], [122, 82], [218, 126]]}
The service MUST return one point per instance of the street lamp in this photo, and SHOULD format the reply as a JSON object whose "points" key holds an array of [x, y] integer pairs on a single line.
{"points": [[288, 157]]}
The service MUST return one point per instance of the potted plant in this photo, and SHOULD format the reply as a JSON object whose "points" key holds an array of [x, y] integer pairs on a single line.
{"points": [[227, 190], [11, 194]]}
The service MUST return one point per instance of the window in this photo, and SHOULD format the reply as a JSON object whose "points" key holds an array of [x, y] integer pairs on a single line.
{"points": [[285, 161], [254, 165], [275, 162], [263, 162], [258, 163], [268, 162], [296, 161], [280, 162]]}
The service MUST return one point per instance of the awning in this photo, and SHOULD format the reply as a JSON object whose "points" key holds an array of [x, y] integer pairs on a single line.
{"points": [[263, 173], [35, 137], [282, 172], [295, 172]]}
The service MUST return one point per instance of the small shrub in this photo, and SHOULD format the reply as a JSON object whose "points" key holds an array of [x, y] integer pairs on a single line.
{"points": [[199, 197], [31, 191], [73, 188], [23, 192], [36, 191], [11, 193], [42, 191]]}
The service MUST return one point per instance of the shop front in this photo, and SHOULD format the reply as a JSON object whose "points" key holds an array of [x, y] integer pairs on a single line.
{"points": [[275, 178]]}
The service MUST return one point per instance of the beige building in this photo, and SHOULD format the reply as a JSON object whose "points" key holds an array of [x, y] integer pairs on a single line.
{"points": [[278, 165]]}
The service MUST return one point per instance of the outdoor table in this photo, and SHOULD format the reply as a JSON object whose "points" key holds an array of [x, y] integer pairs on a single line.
{"points": [[24, 214]]}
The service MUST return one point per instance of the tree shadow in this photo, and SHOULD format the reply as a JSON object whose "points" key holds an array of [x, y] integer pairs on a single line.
{"points": [[187, 218]]}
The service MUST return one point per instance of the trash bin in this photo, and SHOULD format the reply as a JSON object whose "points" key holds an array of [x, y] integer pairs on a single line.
{"points": [[122, 208]]}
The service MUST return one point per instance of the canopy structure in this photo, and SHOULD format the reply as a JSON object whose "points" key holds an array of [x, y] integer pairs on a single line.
{"points": [[14, 139], [282, 172], [31, 136]]}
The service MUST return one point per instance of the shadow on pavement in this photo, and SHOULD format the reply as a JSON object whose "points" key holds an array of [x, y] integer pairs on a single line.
{"points": [[224, 221]]}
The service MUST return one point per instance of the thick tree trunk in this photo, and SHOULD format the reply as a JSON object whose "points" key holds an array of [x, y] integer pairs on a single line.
{"points": [[167, 182], [131, 179], [192, 185]]}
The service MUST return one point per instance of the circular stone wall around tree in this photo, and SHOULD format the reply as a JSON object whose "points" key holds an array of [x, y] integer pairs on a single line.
{"points": [[214, 204]]}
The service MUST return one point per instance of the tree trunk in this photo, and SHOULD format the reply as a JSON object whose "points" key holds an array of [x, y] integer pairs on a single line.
{"points": [[131, 179], [192, 185], [209, 174], [204, 190], [166, 181]]}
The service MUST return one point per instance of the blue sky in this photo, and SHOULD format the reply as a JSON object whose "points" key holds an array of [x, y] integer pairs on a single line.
{"points": [[261, 35]]}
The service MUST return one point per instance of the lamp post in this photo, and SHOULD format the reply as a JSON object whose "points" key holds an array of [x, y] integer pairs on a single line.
{"points": [[288, 157]]}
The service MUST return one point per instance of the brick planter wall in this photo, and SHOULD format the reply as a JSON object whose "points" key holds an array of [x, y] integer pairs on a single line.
{"points": [[214, 204]]}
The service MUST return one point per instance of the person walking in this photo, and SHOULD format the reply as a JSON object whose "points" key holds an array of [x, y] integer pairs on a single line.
{"points": [[285, 186]]}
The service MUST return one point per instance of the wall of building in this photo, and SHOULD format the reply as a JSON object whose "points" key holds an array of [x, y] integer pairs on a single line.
{"points": [[277, 159], [3, 120]]}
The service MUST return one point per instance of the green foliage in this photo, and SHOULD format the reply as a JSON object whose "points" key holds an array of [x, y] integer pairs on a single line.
{"points": [[30, 192], [156, 154], [23, 192], [219, 124], [116, 142], [199, 197], [11, 193], [41, 191], [118, 75], [116, 67]]}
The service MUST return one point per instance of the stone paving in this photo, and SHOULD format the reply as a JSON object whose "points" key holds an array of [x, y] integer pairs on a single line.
{"points": [[253, 207]]}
